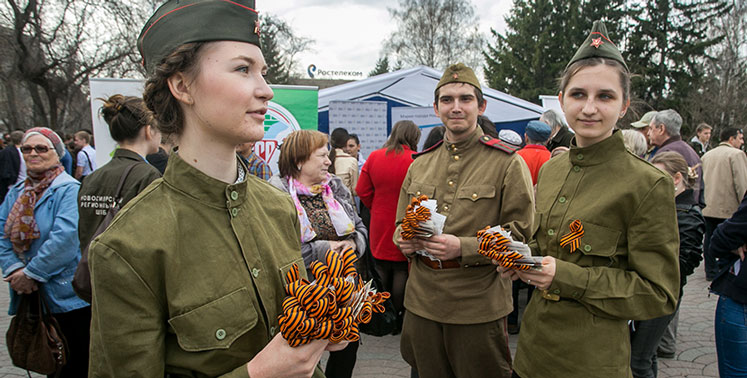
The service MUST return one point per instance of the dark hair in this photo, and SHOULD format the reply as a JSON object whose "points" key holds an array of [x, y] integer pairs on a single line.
{"points": [[478, 95], [355, 138], [125, 115], [157, 95], [436, 135], [595, 61], [297, 149], [727, 133], [487, 126], [674, 163], [404, 133], [338, 139]]}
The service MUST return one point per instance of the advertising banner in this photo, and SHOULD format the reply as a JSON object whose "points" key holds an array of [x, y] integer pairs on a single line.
{"points": [[367, 119], [424, 117], [292, 108]]}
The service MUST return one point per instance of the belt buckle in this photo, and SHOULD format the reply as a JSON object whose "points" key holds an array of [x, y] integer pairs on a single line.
{"points": [[440, 266]]}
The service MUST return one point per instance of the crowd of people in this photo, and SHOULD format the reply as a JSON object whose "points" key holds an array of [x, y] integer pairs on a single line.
{"points": [[188, 278]]}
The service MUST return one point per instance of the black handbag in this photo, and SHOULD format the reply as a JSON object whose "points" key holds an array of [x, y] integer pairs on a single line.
{"points": [[34, 339], [384, 323]]}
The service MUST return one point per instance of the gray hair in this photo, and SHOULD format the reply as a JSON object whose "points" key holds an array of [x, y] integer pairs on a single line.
{"points": [[671, 120], [635, 142], [553, 119]]}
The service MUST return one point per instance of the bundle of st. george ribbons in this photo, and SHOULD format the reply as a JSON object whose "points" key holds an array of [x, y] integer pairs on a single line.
{"points": [[497, 244], [330, 307]]}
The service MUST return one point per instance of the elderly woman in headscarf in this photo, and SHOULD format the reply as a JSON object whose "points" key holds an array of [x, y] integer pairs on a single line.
{"points": [[39, 248]]}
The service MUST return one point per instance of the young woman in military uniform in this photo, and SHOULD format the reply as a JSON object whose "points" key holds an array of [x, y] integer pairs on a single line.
{"points": [[188, 279], [607, 227]]}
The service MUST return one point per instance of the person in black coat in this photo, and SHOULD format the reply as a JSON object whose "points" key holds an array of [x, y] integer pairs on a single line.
{"points": [[728, 244], [10, 163]]}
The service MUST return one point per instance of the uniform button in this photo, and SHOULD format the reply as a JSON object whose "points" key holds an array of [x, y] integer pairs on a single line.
{"points": [[561, 199], [556, 291], [456, 157], [272, 331], [446, 207], [451, 183], [587, 248], [220, 334], [255, 272], [234, 195], [474, 196], [551, 232], [576, 168], [453, 146], [580, 156], [417, 193], [234, 212]]}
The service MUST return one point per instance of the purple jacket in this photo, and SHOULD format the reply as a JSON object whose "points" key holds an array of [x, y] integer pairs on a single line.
{"points": [[676, 144]]}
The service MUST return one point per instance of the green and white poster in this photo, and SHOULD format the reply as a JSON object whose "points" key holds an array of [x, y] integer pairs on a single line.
{"points": [[293, 108]]}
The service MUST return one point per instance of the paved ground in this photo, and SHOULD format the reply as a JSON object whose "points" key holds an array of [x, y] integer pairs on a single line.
{"points": [[379, 356]]}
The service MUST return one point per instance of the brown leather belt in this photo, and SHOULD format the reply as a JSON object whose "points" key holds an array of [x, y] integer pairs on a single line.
{"points": [[445, 264]]}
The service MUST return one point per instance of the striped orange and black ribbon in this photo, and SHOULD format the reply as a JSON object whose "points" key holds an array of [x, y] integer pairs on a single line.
{"points": [[573, 238]]}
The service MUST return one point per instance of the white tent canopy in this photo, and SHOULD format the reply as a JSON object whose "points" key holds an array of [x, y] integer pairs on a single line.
{"points": [[414, 87]]}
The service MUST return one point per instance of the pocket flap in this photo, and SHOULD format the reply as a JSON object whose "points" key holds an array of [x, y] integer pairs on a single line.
{"points": [[476, 192], [599, 240], [217, 324], [417, 189]]}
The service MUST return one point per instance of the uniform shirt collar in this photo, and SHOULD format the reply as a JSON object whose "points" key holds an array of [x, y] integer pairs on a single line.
{"points": [[127, 154], [196, 184], [465, 144], [597, 153]]}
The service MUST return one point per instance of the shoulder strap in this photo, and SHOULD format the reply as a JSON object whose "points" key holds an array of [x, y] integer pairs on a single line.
{"points": [[88, 158], [498, 144], [118, 195], [429, 149]]}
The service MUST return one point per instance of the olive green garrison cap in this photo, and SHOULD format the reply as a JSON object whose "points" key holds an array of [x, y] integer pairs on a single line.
{"points": [[598, 44], [459, 73], [183, 21]]}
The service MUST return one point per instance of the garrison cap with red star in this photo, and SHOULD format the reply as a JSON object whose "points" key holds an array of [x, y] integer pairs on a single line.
{"points": [[459, 73], [598, 44], [184, 21]]}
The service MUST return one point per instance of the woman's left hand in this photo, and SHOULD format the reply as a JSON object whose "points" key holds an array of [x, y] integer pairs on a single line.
{"points": [[541, 279], [21, 283]]}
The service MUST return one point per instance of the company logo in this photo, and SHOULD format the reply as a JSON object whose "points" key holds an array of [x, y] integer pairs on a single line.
{"points": [[313, 71], [279, 122]]}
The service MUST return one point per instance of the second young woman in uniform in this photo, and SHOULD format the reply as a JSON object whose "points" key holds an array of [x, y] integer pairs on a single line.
{"points": [[607, 227]]}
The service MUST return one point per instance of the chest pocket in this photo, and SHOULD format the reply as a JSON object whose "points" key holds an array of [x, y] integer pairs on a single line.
{"points": [[598, 245], [217, 324], [417, 189], [476, 192]]}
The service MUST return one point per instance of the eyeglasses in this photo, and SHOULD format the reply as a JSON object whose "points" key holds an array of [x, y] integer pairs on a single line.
{"points": [[40, 149]]}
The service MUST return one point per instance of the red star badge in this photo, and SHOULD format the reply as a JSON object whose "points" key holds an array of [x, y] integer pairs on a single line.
{"points": [[596, 42], [256, 27], [455, 76]]}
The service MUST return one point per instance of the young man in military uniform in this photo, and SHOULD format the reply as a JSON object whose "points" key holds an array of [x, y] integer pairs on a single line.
{"points": [[455, 322]]}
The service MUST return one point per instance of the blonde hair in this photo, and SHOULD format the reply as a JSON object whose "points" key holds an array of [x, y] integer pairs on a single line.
{"points": [[674, 163]]}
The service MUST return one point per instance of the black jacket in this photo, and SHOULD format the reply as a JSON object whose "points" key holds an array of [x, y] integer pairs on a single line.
{"points": [[10, 165], [728, 236], [561, 139], [692, 227]]}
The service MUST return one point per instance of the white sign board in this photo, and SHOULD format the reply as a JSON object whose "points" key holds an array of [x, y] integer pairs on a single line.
{"points": [[424, 117], [105, 88], [367, 119]]}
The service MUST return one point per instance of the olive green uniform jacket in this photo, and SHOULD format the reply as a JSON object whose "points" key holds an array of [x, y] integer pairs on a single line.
{"points": [[99, 188], [189, 277], [476, 185], [626, 267]]}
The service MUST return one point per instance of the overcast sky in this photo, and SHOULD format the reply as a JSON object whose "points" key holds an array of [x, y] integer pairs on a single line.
{"points": [[349, 33]]}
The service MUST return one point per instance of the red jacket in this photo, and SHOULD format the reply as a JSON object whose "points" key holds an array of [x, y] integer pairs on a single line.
{"points": [[378, 188], [534, 155]]}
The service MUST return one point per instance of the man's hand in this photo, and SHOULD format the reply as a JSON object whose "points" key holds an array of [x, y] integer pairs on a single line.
{"points": [[409, 247], [443, 247], [278, 359], [740, 251], [21, 283]]}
